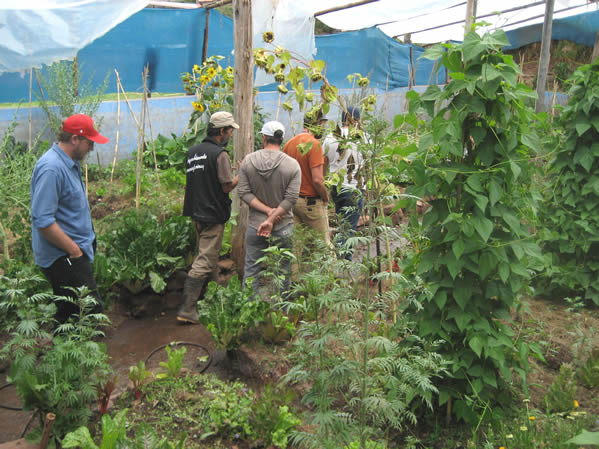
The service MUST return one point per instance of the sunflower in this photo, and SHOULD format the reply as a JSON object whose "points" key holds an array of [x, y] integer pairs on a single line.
{"points": [[268, 37], [204, 80], [230, 70], [197, 106], [211, 72]]}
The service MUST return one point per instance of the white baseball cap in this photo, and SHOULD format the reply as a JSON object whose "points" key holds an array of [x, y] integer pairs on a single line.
{"points": [[270, 128]]}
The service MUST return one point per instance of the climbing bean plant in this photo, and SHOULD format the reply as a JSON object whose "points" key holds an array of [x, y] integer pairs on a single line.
{"points": [[475, 167], [570, 215]]}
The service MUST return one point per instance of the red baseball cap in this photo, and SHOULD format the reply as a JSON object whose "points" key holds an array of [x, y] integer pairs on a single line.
{"points": [[83, 125]]}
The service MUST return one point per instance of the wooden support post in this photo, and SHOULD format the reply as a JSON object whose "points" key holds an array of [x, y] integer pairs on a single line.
{"points": [[545, 55], [47, 430], [206, 30], [243, 138], [470, 16], [595, 48]]}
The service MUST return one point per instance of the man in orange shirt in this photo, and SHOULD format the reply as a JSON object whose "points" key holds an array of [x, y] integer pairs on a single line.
{"points": [[311, 207]]}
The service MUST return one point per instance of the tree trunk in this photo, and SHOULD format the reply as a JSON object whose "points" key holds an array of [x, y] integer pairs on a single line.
{"points": [[243, 138]]}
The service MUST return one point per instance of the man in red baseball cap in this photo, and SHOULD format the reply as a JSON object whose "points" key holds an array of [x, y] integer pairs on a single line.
{"points": [[61, 225]]}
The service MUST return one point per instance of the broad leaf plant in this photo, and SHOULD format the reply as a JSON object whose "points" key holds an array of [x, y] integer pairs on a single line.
{"points": [[570, 215], [475, 167]]}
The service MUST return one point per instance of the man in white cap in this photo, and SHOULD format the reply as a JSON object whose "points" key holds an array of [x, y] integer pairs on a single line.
{"points": [[61, 224], [209, 181], [269, 182]]}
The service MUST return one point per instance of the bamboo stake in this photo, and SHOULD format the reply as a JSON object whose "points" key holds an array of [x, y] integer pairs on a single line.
{"points": [[278, 107], [118, 124], [47, 430], [30, 89], [553, 99], [140, 140], [127, 100], [153, 143]]}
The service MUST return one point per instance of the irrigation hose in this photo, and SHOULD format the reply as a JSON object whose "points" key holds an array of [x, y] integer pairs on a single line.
{"points": [[184, 343]]}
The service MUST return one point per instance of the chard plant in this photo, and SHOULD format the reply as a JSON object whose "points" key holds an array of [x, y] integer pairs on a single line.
{"points": [[571, 224], [229, 312], [140, 252], [138, 375], [114, 436], [475, 165], [172, 367]]}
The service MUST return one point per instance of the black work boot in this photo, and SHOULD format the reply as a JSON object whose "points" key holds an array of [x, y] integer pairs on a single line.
{"points": [[192, 290]]}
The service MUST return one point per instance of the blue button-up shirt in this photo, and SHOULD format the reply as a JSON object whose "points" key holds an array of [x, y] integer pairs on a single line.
{"points": [[58, 195]]}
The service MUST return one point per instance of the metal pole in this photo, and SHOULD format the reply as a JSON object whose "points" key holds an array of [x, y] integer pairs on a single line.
{"points": [[545, 55]]}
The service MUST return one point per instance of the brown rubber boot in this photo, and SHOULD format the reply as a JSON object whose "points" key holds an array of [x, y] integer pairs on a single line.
{"points": [[192, 290]]}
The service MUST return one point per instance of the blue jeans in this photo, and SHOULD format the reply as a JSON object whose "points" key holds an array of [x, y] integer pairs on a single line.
{"points": [[255, 246], [348, 207]]}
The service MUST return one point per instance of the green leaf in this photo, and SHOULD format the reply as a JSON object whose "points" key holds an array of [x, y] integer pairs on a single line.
{"points": [[495, 192], [441, 299], [472, 46], [433, 53], [504, 271], [158, 284], [462, 320], [488, 262], [458, 247], [481, 202], [473, 182], [516, 170], [483, 226], [476, 344], [582, 125], [489, 378], [585, 438], [462, 295]]}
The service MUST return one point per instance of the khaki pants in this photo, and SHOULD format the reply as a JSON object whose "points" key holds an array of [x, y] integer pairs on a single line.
{"points": [[210, 240], [315, 216]]}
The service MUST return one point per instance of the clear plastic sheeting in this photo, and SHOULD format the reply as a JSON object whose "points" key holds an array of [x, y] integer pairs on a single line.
{"points": [[292, 24], [37, 32]]}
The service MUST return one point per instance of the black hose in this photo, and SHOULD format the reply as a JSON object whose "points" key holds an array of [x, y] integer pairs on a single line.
{"points": [[183, 343], [9, 407]]}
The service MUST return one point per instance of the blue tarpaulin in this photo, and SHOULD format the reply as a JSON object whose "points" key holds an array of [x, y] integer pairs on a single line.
{"points": [[581, 28], [170, 42]]}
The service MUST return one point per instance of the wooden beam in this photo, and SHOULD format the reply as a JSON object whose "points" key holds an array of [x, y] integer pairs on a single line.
{"points": [[493, 14], [340, 8], [243, 138], [173, 5], [545, 55], [216, 4]]}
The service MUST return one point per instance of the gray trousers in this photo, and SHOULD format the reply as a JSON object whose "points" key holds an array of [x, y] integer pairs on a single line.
{"points": [[255, 246]]}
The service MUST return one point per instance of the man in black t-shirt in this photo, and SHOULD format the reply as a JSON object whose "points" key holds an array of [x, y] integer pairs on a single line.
{"points": [[209, 181]]}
